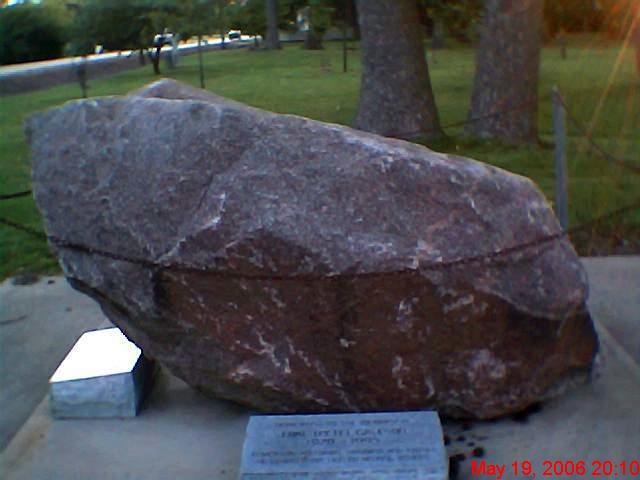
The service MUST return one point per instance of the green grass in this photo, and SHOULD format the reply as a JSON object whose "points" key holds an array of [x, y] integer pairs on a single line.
{"points": [[603, 93]]}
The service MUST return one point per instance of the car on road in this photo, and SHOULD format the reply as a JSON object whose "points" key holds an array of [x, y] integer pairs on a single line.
{"points": [[162, 39]]}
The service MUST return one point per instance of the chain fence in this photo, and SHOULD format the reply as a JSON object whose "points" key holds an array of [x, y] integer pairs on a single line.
{"points": [[489, 256], [485, 257], [10, 196], [621, 162]]}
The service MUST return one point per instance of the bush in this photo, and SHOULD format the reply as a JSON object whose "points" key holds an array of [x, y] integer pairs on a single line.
{"points": [[29, 33]]}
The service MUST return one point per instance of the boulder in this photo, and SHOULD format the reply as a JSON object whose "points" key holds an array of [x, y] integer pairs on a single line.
{"points": [[298, 266]]}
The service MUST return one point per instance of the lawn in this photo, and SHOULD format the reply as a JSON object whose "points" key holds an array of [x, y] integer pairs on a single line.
{"points": [[598, 81]]}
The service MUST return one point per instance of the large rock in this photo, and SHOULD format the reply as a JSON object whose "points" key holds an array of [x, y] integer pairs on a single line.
{"points": [[293, 265]]}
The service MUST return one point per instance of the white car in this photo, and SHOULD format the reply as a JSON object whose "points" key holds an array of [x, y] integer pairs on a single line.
{"points": [[163, 39]]}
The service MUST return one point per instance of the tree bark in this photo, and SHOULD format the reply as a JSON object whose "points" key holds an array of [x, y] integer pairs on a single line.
{"points": [[438, 33], [635, 36], [504, 100], [396, 98], [272, 41], [155, 60], [313, 41]]}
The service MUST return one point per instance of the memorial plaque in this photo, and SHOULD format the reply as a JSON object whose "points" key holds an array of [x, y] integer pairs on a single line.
{"points": [[363, 446]]}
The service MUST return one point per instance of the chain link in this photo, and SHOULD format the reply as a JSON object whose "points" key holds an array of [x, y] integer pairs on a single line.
{"points": [[9, 196], [626, 164], [439, 265]]}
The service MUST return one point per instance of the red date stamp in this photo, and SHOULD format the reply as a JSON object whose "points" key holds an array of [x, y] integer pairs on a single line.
{"points": [[560, 468]]}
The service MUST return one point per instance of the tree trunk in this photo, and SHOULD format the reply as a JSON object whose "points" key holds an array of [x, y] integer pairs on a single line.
{"points": [[396, 98], [312, 41], [200, 62], [351, 17], [272, 41], [635, 36], [438, 33], [155, 60], [504, 101]]}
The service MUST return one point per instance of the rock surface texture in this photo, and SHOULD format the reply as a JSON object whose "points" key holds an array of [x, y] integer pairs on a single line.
{"points": [[292, 265]]}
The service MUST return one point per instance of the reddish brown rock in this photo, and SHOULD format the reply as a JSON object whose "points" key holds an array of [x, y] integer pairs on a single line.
{"points": [[292, 265]]}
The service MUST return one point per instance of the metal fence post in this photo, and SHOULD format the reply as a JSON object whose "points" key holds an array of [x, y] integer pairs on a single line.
{"points": [[560, 136], [200, 64]]}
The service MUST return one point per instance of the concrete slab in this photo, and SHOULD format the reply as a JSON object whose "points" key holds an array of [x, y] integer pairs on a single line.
{"points": [[39, 324], [182, 434], [179, 434], [614, 299], [594, 423]]}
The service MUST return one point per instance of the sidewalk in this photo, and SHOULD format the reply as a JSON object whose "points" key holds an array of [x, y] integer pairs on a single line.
{"points": [[182, 435], [38, 326]]}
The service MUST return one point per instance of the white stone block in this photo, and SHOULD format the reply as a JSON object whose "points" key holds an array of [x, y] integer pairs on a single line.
{"points": [[103, 376]]}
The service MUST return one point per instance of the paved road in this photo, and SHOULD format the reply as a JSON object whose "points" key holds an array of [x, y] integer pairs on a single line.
{"points": [[23, 78], [57, 63]]}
